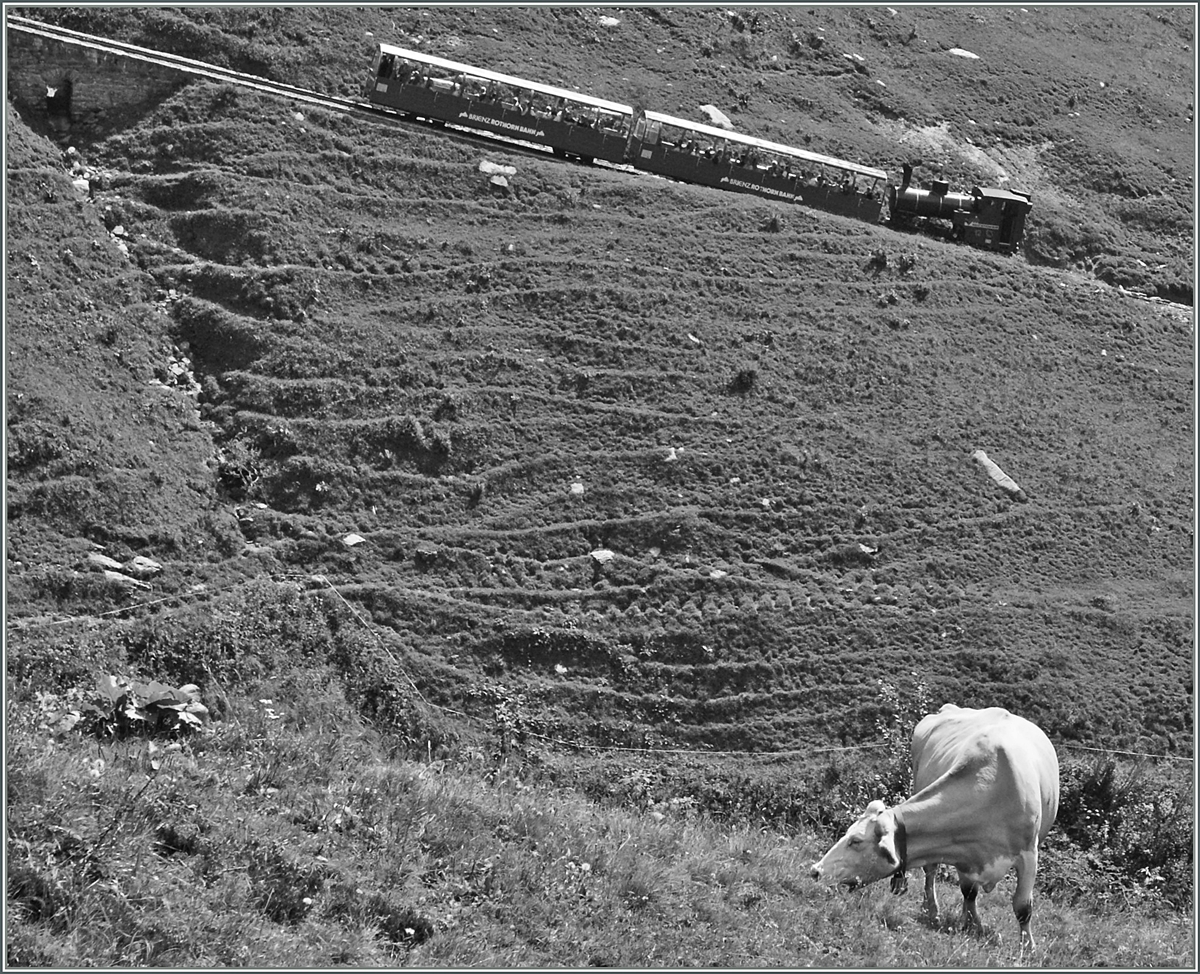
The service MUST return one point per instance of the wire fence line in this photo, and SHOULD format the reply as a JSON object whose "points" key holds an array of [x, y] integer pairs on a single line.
{"points": [[323, 580]]}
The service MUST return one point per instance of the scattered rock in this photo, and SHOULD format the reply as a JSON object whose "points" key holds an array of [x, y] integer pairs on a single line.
{"points": [[602, 556], [609, 22], [1003, 480], [140, 566], [352, 539], [124, 580], [717, 117], [959, 52], [103, 561], [495, 169]]}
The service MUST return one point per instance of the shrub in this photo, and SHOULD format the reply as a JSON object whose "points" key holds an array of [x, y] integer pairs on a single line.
{"points": [[743, 382], [126, 708], [1128, 834], [238, 640], [53, 661], [381, 690]]}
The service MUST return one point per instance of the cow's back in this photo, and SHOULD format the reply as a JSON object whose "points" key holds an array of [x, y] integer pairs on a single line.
{"points": [[993, 747]]}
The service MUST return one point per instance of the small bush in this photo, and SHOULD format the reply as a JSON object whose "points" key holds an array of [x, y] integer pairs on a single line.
{"points": [[744, 382], [126, 708], [1129, 834]]}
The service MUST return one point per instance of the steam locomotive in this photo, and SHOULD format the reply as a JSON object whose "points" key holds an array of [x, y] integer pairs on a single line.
{"points": [[575, 125], [988, 218]]}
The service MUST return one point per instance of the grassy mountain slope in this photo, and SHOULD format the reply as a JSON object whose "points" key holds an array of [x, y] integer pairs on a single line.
{"points": [[635, 463], [1091, 111]]}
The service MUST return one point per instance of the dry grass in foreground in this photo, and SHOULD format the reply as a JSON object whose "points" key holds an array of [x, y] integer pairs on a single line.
{"points": [[286, 836]]}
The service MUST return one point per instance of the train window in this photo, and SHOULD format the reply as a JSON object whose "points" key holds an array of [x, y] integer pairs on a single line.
{"points": [[648, 131]]}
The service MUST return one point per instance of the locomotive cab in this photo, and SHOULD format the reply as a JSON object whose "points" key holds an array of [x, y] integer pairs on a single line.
{"points": [[987, 218], [998, 222]]}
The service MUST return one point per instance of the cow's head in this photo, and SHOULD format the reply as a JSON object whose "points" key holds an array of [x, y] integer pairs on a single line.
{"points": [[873, 848]]}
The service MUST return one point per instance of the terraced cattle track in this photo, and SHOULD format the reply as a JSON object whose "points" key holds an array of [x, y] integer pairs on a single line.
{"points": [[602, 354]]}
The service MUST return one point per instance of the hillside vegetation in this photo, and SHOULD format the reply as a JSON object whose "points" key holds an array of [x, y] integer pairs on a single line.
{"points": [[501, 533]]}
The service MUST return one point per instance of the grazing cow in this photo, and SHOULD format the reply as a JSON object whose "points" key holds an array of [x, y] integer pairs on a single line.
{"points": [[986, 794]]}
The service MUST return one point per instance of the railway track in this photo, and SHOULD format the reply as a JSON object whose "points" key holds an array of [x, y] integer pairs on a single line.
{"points": [[213, 72], [200, 69]]}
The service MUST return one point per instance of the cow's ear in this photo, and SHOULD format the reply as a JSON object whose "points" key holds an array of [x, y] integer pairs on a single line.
{"points": [[887, 843], [875, 807]]}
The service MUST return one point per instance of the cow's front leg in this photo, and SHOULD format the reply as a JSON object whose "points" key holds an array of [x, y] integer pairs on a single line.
{"points": [[970, 892], [931, 903]]}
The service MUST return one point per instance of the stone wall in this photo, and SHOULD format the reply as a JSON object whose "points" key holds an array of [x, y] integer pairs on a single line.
{"points": [[94, 90]]}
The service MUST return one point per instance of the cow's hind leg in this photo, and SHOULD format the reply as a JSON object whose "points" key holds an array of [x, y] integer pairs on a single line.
{"points": [[1023, 897]]}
